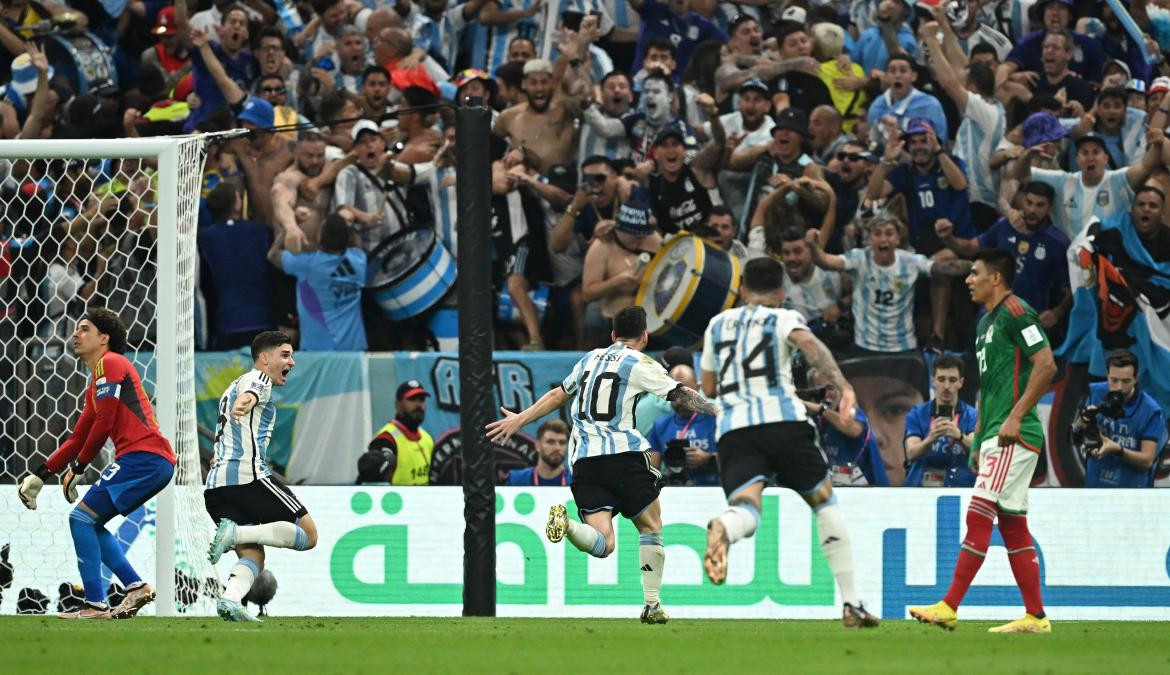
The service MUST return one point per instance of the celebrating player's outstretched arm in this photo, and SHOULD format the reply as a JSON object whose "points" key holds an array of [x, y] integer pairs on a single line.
{"points": [[501, 430], [692, 401], [243, 405]]}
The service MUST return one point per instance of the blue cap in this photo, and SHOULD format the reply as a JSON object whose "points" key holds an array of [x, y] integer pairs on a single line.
{"points": [[634, 216], [1042, 127], [1091, 136], [258, 112], [757, 84], [918, 125]]}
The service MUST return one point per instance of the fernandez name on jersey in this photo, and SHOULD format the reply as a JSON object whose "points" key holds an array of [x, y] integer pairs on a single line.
{"points": [[748, 350]]}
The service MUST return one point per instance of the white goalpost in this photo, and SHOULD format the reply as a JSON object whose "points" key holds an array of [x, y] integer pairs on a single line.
{"points": [[112, 223]]}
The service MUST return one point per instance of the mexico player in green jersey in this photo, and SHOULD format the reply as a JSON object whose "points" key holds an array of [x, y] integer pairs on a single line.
{"points": [[1015, 369]]}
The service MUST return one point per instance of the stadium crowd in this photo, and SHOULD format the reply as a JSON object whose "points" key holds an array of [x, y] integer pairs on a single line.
{"points": [[872, 146]]}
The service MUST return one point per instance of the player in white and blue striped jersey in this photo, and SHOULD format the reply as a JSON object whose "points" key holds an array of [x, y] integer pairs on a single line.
{"points": [[252, 510], [883, 285], [762, 429], [610, 458]]}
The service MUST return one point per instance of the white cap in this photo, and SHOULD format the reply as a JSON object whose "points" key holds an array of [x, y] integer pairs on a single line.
{"points": [[363, 125], [538, 66], [794, 13]]}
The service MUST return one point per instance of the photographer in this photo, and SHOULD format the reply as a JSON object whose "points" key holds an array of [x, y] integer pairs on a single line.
{"points": [[685, 441], [1121, 429], [939, 432], [852, 450]]}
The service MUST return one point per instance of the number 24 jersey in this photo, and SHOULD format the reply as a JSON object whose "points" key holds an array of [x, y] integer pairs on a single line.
{"points": [[748, 350], [606, 385]]}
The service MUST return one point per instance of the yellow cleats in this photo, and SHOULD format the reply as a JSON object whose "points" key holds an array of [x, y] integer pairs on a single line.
{"points": [[939, 614], [558, 523], [1025, 624]]}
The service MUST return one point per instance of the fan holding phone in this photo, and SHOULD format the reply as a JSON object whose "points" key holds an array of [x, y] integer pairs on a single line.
{"points": [[939, 432]]}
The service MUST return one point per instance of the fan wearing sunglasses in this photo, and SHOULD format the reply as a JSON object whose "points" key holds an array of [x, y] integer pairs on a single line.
{"points": [[848, 175]]}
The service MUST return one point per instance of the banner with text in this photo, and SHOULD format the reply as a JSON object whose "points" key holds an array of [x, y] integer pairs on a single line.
{"points": [[387, 551]]}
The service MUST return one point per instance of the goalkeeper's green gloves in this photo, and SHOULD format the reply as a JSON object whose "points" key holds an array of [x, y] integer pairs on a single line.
{"points": [[31, 486]]}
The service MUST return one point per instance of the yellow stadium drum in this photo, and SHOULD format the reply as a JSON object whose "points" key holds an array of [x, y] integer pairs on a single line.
{"points": [[688, 282]]}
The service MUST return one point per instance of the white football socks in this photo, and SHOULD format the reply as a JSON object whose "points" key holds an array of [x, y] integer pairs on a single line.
{"points": [[281, 534], [835, 544], [240, 579], [652, 558], [740, 521], [586, 538]]}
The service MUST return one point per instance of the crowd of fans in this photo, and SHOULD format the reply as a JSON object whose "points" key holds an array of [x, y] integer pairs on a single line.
{"points": [[873, 146]]}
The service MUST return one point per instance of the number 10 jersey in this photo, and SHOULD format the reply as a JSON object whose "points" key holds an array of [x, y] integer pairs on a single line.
{"points": [[748, 350], [606, 385]]}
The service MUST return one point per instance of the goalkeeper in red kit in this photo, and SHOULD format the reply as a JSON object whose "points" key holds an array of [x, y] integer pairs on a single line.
{"points": [[117, 408]]}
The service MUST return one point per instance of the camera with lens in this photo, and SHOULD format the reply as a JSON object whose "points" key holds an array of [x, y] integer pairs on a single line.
{"points": [[813, 394], [593, 182], [1113, 405], [1088, 436], [675, 455]]}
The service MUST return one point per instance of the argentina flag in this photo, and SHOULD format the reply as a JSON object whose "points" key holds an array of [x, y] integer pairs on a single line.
{"points": [[1121, 299]]}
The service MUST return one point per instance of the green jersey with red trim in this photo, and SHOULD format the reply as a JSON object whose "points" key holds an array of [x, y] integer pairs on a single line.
{"points": [[1005, 339]]}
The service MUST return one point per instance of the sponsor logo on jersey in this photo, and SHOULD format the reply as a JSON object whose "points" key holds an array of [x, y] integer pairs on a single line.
{"points": [[107, 390]]}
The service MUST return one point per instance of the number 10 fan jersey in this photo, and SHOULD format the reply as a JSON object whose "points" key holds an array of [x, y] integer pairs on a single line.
{"points": [[748, 350], [606, 385]]}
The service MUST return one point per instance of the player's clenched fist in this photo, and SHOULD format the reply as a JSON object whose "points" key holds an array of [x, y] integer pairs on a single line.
{"points": [[30, 487]]}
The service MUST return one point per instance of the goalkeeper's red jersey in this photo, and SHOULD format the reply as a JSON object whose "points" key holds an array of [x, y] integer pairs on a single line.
{"points": [[116, 407]]}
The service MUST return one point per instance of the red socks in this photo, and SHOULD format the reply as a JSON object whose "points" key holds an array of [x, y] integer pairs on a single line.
{"points": [[1025, 564], [980, 517]]}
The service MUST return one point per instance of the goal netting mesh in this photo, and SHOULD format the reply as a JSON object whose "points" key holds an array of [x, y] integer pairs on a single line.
{"points": [[111, 224]]}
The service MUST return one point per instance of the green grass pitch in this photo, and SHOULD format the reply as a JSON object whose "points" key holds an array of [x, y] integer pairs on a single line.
{"points": [[424, 645]]}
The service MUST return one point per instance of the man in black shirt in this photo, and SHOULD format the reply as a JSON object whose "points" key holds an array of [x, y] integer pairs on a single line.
{"points": [[1155, 236], [797, 88], [1057, 53], [683, 192]]}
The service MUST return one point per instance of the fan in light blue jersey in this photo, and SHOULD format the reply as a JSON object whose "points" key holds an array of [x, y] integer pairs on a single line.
{"points": [[329, 289], [1095, 190], [883, 286]]}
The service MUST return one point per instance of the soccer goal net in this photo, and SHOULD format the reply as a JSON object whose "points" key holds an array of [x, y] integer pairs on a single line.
{"points": [[110, 223]]}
